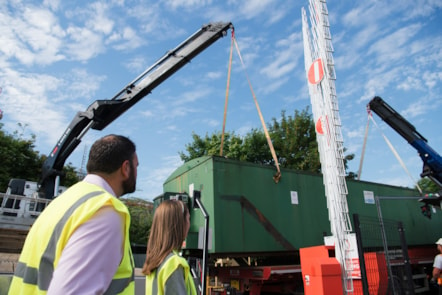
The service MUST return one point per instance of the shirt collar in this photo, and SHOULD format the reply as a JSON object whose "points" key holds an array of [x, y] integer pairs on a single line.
{"points": [[100, 181]]}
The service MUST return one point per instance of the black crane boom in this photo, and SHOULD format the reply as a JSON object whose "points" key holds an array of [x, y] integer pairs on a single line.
{"points": [[103, 112]]}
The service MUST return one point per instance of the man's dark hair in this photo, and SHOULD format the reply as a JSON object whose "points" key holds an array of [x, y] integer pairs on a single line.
{"points": [[109, 152]]}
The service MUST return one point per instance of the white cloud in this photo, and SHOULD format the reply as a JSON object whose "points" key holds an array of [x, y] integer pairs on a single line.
{"points": [[192, 96], [25, 98], [410, 83], [125, 39], [147, 113], [357, 132], [152, 185], [136, 64], [214, 75], [363, 37], [211, 122], [169, 109], [176, 4], [414, 110], [283, 62], [99, 20], [252, 8], [217, 13], [424, 8], [274, 85], [81, 84], [394, 46], [46, 103], [85, 43], [432, 78], [376, 84], [52, 4], [32, 35], [367, 13]]}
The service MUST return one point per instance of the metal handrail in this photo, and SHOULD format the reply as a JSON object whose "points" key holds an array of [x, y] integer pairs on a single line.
{"points": [[27, 205]]}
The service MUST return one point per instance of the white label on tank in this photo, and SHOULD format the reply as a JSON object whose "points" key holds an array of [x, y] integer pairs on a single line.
{"points": [[294, 197], [191, 188], [368, 197]]}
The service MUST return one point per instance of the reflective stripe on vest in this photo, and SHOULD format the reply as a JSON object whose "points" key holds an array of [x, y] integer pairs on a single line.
{"points": [[155, 280], [118, 285], [28, 274], [43, 275]]}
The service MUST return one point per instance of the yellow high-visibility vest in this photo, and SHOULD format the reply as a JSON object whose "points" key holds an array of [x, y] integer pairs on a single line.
{"points": [[156, 281], [51, 231]]}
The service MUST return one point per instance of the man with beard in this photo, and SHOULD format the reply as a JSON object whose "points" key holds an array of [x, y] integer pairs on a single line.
{"points": [[80, 243]]}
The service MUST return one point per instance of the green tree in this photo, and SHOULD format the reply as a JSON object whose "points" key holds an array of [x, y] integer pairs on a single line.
{"points": [[347, 158], [255, 148], [70, 175], [141, 212], [19, 159], [211, 145], [428, 186], [293, 138]]}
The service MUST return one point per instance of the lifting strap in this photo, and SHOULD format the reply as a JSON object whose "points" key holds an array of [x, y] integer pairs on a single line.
{"points": [[364, 144], [277, 175], [370, 117], [227, 93]]}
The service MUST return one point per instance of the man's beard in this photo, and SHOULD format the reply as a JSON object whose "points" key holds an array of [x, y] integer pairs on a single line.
{"points": [[129, 185]]}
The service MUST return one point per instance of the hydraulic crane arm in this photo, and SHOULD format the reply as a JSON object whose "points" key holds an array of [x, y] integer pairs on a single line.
{"points": [[432, 160], [102, 112]]}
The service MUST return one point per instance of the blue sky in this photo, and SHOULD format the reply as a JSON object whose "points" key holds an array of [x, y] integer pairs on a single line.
{"points": [[57, 57]]}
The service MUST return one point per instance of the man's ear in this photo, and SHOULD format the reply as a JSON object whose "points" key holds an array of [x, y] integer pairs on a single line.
{"points": [[125, 169]]}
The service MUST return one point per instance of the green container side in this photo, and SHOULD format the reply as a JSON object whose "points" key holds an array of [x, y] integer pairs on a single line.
{"points": [[250, 213], [419, 230], [199, 173]]}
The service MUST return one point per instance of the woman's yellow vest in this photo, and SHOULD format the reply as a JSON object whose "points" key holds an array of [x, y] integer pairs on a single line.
{"points": [[156, 281], [51, 231]]}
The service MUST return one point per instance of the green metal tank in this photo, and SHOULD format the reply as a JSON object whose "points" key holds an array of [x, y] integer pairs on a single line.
{"points": [[250, 213]]}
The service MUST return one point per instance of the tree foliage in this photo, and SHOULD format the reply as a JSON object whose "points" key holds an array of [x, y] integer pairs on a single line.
{"points": [[141, 212], [293, 138], [70, 175], [19, 159], [210, 145], [428, 186]]}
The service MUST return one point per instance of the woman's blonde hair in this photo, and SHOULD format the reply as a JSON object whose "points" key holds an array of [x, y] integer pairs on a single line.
{"points": [[167, 233]]}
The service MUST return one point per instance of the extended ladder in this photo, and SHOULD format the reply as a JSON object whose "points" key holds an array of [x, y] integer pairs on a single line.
{"points": [[319, 65]]}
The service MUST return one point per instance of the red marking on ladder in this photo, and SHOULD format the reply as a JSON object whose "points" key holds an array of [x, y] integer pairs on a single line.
{"points": [[319, 129], [316, 72]]}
